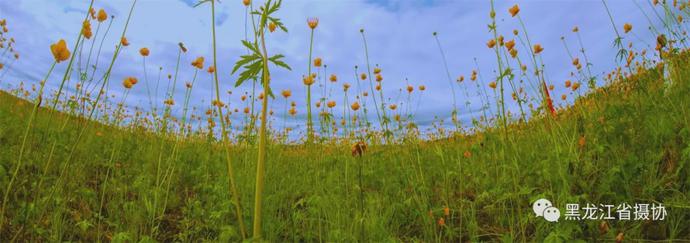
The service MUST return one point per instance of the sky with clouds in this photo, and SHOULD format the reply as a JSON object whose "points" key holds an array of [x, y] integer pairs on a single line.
{"points": [[399, 35]]}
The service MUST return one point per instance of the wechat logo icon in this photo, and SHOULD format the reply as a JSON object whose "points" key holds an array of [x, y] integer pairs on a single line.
{"points": [[544, 208]]}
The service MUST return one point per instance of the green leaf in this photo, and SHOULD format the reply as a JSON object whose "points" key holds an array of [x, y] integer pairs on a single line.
{"points": [[251, 71], [276, 60], [244, 60]]}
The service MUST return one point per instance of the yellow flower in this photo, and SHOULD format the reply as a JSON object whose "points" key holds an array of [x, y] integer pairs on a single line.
{"points": [[491, 43], [333, 78], [308, 80], [514, 10], [563, 97], [293, 111], [378, 87], [271, 27], [422, 88], [379, 78], [102, 16], [492, 85], [576, 61], [317, 62], [246, 110], [286, 93], [198, 63], [124, 41], [1, 66], [246, 2], [346, 86], [331, 104], [576, 86], [355, 106], [410, 89], [377, 70], [627, 27], [538, 49], [86, 29], [129, 82], [363, 76], [510, 44], [144, 51], [393, 106], [513, 53], [60, 51], [313, 22]]}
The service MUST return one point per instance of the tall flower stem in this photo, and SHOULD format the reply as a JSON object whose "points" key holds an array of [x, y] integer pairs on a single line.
{"points": [[310, 122], [224, 135], [450, 81]]}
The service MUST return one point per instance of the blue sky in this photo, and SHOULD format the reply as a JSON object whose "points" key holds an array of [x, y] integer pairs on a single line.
{"points": [[399, 34]]}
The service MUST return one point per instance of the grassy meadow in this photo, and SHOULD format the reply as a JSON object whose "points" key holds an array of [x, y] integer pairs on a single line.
{"points": [[80, 165]]}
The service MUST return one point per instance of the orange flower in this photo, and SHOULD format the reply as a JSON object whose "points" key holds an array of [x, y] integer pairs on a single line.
{"points": [[446, 210], [377, 70], [333, 78], [510, 44], [582, 141], [355, 106], [271, 27], [393, 106], [576, 86], [563, 97], [576, 29], [292, 111], [144, 51], [410, 89], [576, 62], [513, 53], [346, 86], [627, 27], [567, 83], [211, 69], [538, 49], [286, 93], [198, 63], [363, 76], [86, 29], [313, 22], [308, 80], [378, 87], [467, 154], [60, 51], [422, 88], [246, 2], [246, 110], [514, 10], [317, 62], [331, 104], [441, 222], [492, 85], [359, 148], [124, 41], [379, 78], [102, 16], [129, 82], [491, 43]]}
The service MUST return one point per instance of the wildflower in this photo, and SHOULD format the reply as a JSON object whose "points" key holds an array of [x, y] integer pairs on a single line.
{"points": [[292, 111], [567, 83], [309, 80], [627, 27], [513, 53], [359, 148], [620, 237], [441, 222], [363, 76], [86, 29], [379, 78], [188, 85], [461, 78], [124, 41], [378, 87], [467, 154], [491, 43], [317, 62], [181, 45], [582, 141], [422, 88], [1, 66], [492, 85], [576, 86], [377, 70], [576, 62], [129, 82], [313, 22], [59, 50], [286, 93], [331, 104], [211, 69], [514, 10], [271, 27], [563, 97], [261, 96], [515, 32], [246, 110], [575, 29], [551, 87], [500, 40], [246, 2], [102, 16], [538, 49], [510, 44], [244, 97], [144, 51], [410, 89], [333, 78], [198, 63], [393, 106], [318, 104], [355, 106], [365, 94], [446, 210]]}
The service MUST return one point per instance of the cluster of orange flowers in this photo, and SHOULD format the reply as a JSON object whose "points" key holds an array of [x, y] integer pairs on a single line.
{"points": [[60, 51], [129, 82]]}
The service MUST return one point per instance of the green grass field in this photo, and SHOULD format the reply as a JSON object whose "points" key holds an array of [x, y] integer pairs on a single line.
{"points": [[625, 142]]}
